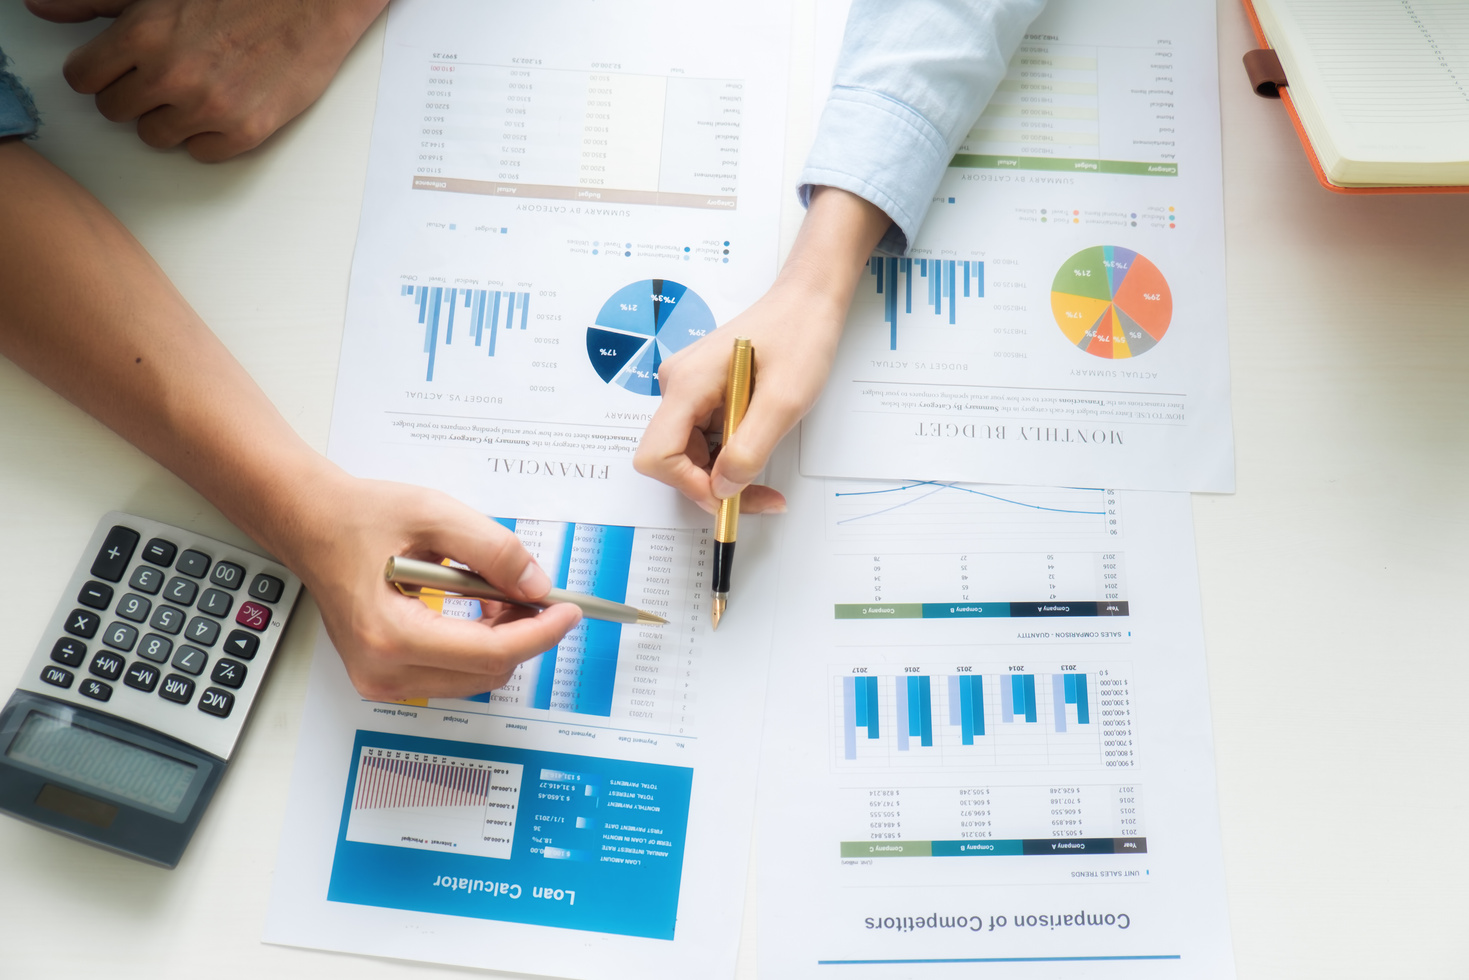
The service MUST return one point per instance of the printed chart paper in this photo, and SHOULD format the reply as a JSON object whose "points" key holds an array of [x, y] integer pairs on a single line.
{"points": [[591, 818], [1060, 319], [560, 196], [987, 744]]}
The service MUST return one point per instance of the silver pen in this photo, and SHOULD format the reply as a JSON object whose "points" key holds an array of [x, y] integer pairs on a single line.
{"points": [[410, 574]]}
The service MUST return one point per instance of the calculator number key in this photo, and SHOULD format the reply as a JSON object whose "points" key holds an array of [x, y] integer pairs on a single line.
{"points": [[177, 687], [95, 594], [227, 575], [242, 644], [155, 648], [230, 673], [266, 588], [195, 564], [190, 660], [82, 623], [168, 619], [180, 590], [144, 677], [216, 603], [133, 607], [59, 676], [120, 635], [202, 630], [146, 579], [217, 702], [116, 552], [94, 688], [68, 651], [253, 615], [108, 665]]}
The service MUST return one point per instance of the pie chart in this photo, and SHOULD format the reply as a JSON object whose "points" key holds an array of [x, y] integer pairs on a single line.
{"points": [[640, 326], [1112, 302]]}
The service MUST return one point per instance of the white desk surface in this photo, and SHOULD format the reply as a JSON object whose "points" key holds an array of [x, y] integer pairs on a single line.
{"points": [[1334, 581]]}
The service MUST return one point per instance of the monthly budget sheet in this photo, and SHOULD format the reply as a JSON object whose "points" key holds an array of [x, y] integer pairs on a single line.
{"points": [[987, 741], [1060, 316]]}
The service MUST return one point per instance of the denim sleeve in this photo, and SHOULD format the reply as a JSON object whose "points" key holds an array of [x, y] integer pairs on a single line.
{"points": [[911, 79], [18, 115]]}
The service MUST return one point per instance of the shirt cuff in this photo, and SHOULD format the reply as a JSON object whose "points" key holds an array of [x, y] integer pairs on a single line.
{"points": [[884, 152], [18, 115]]}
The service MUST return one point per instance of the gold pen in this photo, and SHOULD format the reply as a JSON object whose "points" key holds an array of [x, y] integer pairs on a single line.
{"points": [[410, 574], [727, 522]]}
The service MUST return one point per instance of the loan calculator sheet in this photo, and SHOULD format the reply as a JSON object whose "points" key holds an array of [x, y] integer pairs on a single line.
{"points": [[987, 738], [1060, 316]]}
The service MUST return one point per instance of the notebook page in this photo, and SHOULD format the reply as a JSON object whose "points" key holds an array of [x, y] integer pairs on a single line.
{"points": [[1388, 79]]}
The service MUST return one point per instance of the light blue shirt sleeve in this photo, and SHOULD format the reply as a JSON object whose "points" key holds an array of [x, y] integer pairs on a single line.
{"points": [[18, 116], [911, 79]]}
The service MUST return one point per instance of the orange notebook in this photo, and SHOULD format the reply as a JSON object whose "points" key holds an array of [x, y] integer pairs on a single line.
{"points": [[1269, 81]]}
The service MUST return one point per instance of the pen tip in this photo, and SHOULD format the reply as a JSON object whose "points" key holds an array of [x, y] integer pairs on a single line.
{"points": [[718, 611]]}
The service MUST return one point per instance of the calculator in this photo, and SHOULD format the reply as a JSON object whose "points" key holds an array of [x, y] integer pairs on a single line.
{"points": [[126, 717]]}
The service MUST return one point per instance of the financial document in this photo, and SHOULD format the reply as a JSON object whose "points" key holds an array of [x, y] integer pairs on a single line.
{"points": [[987, 741], [591, 818], [1060, 318], [554, 206]]}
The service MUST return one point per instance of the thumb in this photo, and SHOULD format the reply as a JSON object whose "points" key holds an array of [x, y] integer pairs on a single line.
{"points": [[490, 549], [73, 11], [766, 423]]}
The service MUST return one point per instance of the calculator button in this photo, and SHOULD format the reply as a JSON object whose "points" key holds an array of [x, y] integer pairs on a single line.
{"points": [[116, 552], [96, 595], [155, 648], [177, 687], [253, 615], [181, 590], [216, 603], [142, 676], [194, 563], [146, 579], [230, 673], [190, 660], [266, 588], [202, 630], [227, 575], [120, 635], [160, 552], [133, 607], [168, 619], [68, 651], [107, 664], [57, 675], [217, 702], [82, 623], [93, 688], [241, 644]]}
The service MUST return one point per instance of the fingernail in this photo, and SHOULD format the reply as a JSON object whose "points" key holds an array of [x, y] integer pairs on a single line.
{"points": [[723, 488], [776, 508], [533, 581]]}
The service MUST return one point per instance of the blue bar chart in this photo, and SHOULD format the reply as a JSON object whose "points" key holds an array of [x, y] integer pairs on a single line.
{"points": [[640, 678], [944, 282], [971, 716], [438, 305]]}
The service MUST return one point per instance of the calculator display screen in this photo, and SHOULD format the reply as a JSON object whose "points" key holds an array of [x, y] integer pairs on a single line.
{"points": [[102, 762]]}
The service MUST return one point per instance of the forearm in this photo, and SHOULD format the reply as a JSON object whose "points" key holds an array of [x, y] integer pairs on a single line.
{"points": [[831, 250], [86, 310]]}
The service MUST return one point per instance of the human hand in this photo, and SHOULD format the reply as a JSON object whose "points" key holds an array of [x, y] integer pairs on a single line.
{"points": [[396, 647], [795, 328], [217, 75]]}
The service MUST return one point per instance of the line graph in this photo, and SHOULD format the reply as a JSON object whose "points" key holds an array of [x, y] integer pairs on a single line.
{"points": [[918, 508]]}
